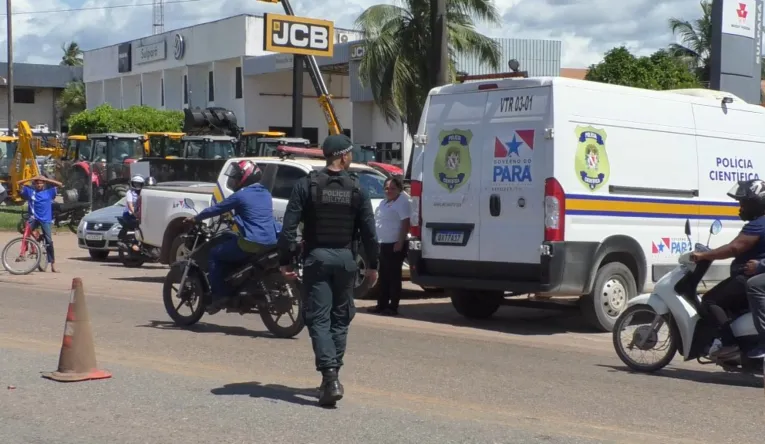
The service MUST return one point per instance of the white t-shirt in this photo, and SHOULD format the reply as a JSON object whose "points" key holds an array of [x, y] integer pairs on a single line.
{"points": [[388, 217], [132, 197]]}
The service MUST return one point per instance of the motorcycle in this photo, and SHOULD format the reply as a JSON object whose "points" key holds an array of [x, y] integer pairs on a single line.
{"points": [[258, 285], [69, 214], [131, 258], [675, 304]]}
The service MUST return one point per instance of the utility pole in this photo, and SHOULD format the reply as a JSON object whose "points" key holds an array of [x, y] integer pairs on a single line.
{"points": [[9, 76]]}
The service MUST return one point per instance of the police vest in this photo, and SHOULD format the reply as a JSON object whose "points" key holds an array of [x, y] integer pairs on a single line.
{"points": [[331, 216]]}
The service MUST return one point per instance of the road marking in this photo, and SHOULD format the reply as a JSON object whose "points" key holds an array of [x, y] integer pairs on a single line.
{"points": [[415, 403]]}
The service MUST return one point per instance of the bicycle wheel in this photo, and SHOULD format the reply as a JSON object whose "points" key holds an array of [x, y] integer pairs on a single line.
{"points": [[21, 252]]}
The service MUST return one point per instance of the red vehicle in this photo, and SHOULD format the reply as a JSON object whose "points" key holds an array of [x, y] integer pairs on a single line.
{"points": [[101, 171]]}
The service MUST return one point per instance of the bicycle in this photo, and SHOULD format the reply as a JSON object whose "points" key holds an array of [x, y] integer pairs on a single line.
{"points": [[32, 251]]}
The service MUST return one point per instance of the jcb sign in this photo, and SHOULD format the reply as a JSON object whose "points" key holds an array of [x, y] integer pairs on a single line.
{"points": [[357, 51], [298, 35]]}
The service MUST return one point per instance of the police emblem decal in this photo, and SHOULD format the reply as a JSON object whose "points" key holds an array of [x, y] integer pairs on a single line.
{"points": [[452, 165], [591, 163]]}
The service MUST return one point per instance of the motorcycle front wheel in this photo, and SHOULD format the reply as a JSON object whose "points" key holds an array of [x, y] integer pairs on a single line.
{"points": [[191, 297], [128, 261], [286, 304], [640, 331]]}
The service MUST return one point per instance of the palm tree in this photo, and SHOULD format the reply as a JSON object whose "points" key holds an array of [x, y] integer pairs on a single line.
{"points": [[72, 99], [72, 54], [696, 38], [398, 51]]}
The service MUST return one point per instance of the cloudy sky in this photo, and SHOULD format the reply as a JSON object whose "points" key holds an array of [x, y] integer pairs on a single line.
{"points": [[586, 27]]}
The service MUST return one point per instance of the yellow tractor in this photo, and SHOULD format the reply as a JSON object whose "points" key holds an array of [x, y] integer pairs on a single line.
{"points": [[165, 145], [248, 141], [23, 163]]}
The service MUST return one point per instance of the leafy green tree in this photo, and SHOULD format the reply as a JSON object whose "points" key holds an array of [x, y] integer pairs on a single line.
{"points": [[72, 99], [136, 119], [660, 71], [72, 54], [398, 53]]}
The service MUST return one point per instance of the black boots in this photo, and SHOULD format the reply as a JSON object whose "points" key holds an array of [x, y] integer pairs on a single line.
{"points": [[330, 390]]}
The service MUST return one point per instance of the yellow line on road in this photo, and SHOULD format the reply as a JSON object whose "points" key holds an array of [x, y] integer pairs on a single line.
{"points": [[420, 404]]}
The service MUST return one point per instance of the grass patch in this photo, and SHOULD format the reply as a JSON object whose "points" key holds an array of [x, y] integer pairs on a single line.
{"points": [[10, 216]]}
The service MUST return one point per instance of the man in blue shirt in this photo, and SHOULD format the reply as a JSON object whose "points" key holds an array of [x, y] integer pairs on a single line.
{"points": [[40, 202], [254, 216], [729, 296]]}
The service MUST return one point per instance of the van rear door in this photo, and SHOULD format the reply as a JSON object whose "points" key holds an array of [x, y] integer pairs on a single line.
{"points": [[517, 157], [451, 178]]}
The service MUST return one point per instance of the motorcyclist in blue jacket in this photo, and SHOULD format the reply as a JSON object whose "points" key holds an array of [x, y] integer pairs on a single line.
{"points": [[252, 206]]}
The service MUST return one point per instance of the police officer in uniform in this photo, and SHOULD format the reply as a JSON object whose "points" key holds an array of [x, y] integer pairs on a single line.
{"points": [[333, 209]]}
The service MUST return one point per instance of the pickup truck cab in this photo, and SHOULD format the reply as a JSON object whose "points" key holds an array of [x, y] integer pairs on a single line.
{"points": [[163, 209]]}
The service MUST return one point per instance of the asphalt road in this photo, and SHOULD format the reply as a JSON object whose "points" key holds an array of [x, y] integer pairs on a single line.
{"points": [[430, 377]]}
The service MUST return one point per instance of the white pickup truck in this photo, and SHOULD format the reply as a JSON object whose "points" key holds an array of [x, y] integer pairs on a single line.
{"points": [[163, 210]]}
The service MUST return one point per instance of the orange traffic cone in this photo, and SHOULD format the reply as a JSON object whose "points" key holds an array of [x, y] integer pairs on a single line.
{"points": [[77, 361]]}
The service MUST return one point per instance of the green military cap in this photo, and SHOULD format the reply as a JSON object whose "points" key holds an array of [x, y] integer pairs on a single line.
{"points": [[336, 145]]}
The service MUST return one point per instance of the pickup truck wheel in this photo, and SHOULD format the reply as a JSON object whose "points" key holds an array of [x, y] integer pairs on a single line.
{"points": [[178, 249], [360, 290], [98, 255], [614, 286], [476, 304]]}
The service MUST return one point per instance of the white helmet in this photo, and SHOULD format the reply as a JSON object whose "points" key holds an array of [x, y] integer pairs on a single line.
{"points": [[136, 182]]}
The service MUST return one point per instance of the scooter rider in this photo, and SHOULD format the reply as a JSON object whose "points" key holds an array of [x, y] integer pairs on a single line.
{"points": [[729, 296], [253, 215], [130, 215]]}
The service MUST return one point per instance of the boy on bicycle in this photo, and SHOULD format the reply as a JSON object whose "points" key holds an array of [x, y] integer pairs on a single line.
{"points": [[40, 202]]}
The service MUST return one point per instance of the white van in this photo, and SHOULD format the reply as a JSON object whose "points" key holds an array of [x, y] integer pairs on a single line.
{"points": [[557, 186]]}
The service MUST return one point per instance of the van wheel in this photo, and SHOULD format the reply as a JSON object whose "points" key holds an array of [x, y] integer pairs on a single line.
{"points": [[476, 304], [614, 286]]}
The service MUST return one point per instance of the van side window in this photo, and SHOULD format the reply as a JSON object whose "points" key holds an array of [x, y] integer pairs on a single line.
{"points": [[286, 178]]}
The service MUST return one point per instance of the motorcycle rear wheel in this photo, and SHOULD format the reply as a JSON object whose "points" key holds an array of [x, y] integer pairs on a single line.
{"points": [[191, 297], [289, 303], [652, 340]]}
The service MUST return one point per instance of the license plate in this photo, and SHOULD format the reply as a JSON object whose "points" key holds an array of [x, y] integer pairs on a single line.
{"points": [[449, 238], [94, 237]]}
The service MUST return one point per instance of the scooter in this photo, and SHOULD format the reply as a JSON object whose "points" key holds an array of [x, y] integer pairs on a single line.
{"points": [[676, 305], [131, 258]]}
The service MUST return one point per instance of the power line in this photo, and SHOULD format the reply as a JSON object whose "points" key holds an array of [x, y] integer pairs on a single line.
{"points": [[98, 8]]}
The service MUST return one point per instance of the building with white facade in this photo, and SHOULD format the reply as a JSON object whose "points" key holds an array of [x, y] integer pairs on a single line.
{"points": [[36, 90], [223, 63]]}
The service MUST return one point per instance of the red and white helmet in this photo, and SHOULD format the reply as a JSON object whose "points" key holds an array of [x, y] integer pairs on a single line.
{"points": [[243, 173]]}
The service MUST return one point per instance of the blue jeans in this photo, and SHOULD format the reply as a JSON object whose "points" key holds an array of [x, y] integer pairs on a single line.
{"points": [[223, 257], [45, 226]]}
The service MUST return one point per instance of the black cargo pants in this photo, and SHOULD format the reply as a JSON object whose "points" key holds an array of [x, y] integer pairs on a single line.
{"points": [[328, 280]]}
